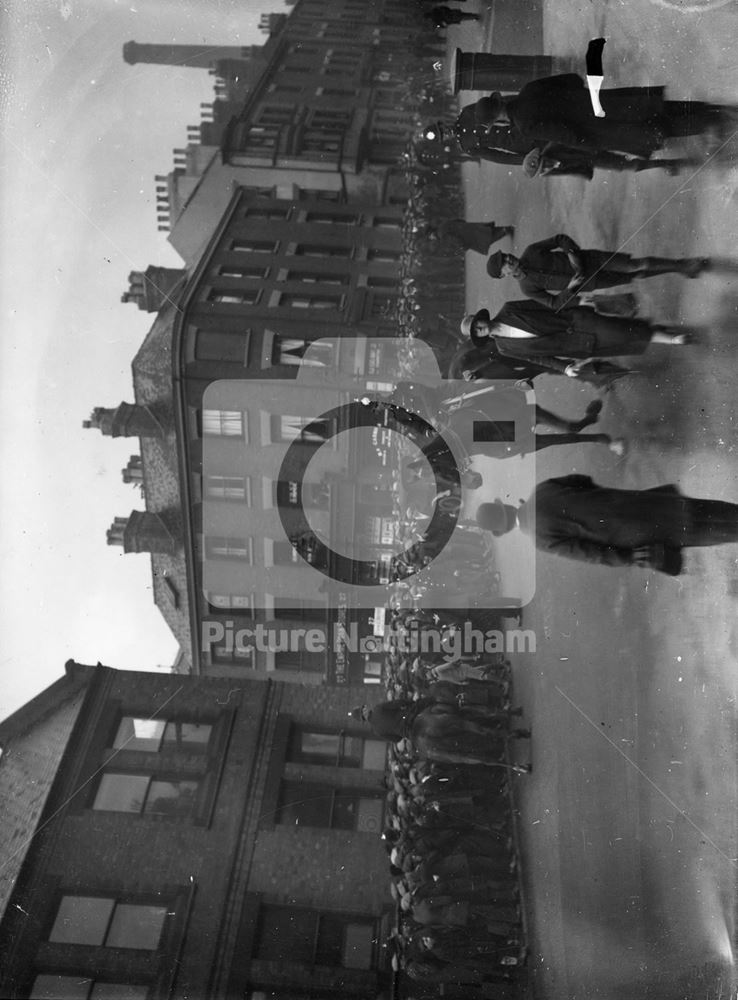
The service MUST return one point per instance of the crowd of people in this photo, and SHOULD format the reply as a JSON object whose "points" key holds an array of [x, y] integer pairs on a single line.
{"points": [[455, 744]]}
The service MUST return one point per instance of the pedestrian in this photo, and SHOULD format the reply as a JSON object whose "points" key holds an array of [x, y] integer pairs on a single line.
{"points": [[478, 136], [442, 732], [528, 330], [443, 16], [558, 265], [459, 235], [574, 517], [637, 121]]}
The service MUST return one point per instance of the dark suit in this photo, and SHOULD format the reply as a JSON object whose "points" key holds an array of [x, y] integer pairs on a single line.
{"points": [[547, 266], [486, 363], [576, 332], [637, 119], [574, 517]]}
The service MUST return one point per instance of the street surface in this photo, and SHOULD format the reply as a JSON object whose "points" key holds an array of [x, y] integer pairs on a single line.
{"points": [[629, 818]]}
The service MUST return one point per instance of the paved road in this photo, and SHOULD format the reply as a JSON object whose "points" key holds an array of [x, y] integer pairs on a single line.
{"points": [[629, 820]]}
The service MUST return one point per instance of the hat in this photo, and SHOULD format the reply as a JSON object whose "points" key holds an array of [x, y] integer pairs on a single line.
{"points": [[495, 264], [468, 321], [497, 517]]}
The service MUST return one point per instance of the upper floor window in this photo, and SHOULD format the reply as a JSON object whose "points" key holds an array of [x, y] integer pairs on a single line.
{"points": [[52, 987], [315, 938], [153, 735], [253, 246], [224, 423], [111, 923], [337, 748], [305, 804], [145, 794]]}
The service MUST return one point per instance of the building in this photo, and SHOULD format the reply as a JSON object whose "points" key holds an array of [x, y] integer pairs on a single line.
{"points": [[172, 836], [290, 229]]}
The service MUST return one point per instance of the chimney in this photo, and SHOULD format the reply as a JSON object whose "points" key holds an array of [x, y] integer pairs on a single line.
{"points": [[142, 531]]}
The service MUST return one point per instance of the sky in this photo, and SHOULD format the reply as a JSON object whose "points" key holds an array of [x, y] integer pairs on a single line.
{"points": [[83, 135]]}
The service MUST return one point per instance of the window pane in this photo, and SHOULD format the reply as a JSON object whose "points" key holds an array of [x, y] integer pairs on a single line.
{"points": [[136, 926], [330, 940], [118, 991], [139, 734], [194, 733], [370, 817], [122, 792], [81, 920], [374, 757], [171, 798], [60, 988], [358, 946]]}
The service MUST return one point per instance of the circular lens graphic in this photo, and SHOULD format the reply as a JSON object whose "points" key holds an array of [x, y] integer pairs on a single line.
{"points": [[367, 413]]}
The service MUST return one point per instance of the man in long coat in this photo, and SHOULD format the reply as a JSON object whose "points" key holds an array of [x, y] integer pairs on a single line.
{"points": [[478, 133], [559, 265], [529, 330], [483, 360], [574, 517], [638, 120]]}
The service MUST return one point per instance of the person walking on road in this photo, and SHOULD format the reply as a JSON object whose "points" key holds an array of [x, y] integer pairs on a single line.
{"points": [[559, 265], [573, 516]]}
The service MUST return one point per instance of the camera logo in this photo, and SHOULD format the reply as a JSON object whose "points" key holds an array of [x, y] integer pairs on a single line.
{"points": [[359, 480]]}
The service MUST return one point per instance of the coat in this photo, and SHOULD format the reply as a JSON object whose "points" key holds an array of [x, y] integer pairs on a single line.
{"points": [[574, 517], [558, 109], [487, 363], [576, 332], [547, 266]]}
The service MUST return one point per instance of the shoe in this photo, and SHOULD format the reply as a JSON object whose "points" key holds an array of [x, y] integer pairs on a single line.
{"points": [[692, 267]]}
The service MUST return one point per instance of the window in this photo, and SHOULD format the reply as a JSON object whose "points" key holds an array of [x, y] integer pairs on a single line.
{"points": [[319, 141], [232, 601], [221, 547], [292, 350], [218, 345], [232, 271], [273, 213], [253, 246], [318, 250], [332, 218], [314, 938], [284, 554], [276, 114], [330, 118], [337, 748], [386, 222], [286, 493], [289, 609], [100, 921], [307, 429], [299, 660], [382, 306], [383, 256], [228, 488], [324, 302], [223, 423], [305, 804], [380, 281], [50, 987], [322, 277], [234, 297], [153, 735], [145, 794]]}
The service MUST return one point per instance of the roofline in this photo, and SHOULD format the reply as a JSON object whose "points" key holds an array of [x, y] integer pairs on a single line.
{"points": [[180, 418]]}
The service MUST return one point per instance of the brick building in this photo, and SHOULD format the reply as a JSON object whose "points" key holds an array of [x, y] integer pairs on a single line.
{"points": [[172, 836], [287, 209]]}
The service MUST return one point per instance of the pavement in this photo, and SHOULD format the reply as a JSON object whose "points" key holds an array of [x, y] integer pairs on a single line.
{"points": [[628, 822]]}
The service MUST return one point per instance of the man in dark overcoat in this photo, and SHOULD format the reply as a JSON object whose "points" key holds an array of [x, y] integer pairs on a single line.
{"points": [[529, 330], [559, 265], [637, 122], [574, 517]]}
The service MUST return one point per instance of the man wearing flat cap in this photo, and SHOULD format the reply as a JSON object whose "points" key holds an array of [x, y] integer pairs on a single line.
{"points": [[574, 517], [554, 271]]}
